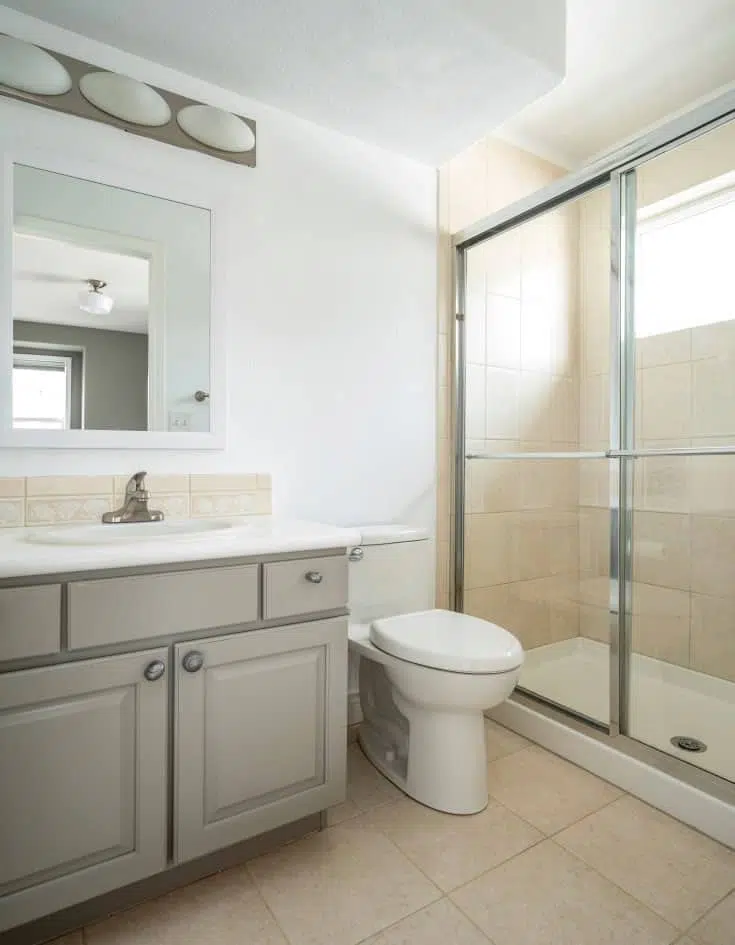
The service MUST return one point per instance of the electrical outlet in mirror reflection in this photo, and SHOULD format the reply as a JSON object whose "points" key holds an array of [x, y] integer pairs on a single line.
{"points": [[178, 422]]}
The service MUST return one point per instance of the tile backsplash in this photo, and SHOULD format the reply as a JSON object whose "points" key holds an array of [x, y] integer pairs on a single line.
{"points": [[55, 500]]}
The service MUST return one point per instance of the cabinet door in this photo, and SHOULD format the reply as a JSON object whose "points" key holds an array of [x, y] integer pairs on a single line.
{"points": [[83, 785], [260, 732]]}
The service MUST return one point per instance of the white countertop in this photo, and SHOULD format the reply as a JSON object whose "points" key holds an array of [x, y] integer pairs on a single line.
{"points": [[35, 551]]}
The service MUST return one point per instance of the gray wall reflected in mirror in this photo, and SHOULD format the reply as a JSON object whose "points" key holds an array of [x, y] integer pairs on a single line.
{"points": [[126, 355]]}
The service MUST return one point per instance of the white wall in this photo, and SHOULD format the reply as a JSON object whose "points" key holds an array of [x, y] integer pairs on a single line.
{"points": [[330, 299]]}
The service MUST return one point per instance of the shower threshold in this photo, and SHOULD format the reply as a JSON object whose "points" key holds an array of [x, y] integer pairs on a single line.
{"points": [[665, 700]]}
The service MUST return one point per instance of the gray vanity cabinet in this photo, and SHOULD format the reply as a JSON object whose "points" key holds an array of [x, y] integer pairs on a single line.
{"points": [[83, 750], [260, 723]]}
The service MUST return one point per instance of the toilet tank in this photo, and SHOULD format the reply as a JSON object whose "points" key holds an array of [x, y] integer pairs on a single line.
{"points": [[391, 572]]}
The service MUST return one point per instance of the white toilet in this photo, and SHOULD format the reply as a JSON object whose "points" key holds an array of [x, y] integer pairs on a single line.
{"points": [[425, 675]]}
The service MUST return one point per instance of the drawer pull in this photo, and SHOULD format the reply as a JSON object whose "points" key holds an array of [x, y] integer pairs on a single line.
{"points": [[314, 577], [154, 670], [193, 661]]}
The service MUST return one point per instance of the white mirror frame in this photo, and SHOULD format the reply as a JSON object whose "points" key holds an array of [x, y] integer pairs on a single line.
{"points": [[142, 183]]}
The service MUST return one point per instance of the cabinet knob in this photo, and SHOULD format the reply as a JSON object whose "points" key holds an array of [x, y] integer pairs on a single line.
{"points": [[154, 670], [356, 554], [201, 395], [193, 661], [314, 577]]}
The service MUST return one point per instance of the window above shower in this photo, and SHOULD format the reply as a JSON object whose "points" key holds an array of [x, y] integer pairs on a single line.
{"points": [[684, 268]]}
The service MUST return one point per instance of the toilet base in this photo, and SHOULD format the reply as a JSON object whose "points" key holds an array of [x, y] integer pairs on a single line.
{"points": [[446, 766]]}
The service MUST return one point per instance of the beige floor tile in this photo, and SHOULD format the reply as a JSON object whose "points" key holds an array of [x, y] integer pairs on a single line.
{"points": [[341, 812], [501, 741], [225, 909], [340, 886], [546, 896], [453, 850], [545, 790], [439, 924], [684, 940], [676, 871], [718, 926], [366, 786]]}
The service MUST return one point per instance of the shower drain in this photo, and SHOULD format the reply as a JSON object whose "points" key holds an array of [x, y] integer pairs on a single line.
{"points": [[687, 743]]}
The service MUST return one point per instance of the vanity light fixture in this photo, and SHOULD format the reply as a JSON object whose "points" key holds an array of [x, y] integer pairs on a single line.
{"points": [[28, 68], [125, 98], [216, 128], [52, 80], [95, 302]]}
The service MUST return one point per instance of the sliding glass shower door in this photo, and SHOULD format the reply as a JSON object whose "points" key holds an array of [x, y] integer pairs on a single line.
{"points": [[596, 473], [536, 542], [681, 372]]}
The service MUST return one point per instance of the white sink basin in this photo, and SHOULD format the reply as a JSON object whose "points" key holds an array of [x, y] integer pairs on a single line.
{"points": [[127, 533]]}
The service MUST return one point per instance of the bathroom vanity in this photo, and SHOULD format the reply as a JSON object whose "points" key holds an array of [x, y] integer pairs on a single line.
{"points": [[162, 696]]}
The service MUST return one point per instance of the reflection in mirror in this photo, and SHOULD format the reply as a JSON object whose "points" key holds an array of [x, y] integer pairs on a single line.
{"points": [[111, 308], [74, 367]]}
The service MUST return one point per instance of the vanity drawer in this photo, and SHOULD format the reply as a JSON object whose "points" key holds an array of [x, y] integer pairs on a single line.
{"points": [[115, 610], [304, 586], [30, 621]]}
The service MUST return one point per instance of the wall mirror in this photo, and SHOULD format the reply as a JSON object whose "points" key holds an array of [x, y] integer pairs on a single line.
{"points": [[108, 321]]}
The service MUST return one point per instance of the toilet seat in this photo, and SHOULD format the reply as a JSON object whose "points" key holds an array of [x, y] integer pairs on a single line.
{"points": [[443, 639]]}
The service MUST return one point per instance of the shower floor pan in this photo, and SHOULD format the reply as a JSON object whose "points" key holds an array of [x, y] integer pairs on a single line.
{"points": [[666, 701]]}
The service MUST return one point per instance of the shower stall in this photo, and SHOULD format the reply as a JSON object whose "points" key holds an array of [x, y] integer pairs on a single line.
{"points": [[594, 481]]}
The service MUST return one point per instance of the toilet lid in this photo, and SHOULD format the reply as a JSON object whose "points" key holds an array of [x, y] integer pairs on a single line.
{"points": [[443, 639]]}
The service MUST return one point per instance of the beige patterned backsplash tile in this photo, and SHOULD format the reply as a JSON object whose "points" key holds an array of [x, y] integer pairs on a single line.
{"points": [[56, 500], [157, 484], [11, 512], [69, 485], [224, 503], [10, 488], [172, 506], [227, 483], [58, 510]]}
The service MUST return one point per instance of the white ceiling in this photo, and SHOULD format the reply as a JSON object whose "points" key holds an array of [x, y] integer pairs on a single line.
{"points": [[48, 276], [630, 63], [423, 78]]}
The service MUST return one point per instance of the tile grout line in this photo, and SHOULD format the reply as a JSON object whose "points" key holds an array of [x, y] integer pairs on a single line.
{"points": [[708, 911]]}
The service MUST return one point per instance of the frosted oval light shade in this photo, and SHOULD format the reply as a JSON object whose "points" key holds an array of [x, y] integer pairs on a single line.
{"points": [[27, 68], [125, 98], [96, 303], [216, 128]]}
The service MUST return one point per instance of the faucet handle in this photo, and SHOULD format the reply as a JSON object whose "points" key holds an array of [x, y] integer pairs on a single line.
{"points": [[136, 483]]}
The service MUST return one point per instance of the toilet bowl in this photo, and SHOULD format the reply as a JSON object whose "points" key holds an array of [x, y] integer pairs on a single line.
{"points": [[425, 680]]}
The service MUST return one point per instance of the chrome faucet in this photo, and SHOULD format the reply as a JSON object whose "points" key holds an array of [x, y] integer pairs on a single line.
{"points": [[135, 507]]}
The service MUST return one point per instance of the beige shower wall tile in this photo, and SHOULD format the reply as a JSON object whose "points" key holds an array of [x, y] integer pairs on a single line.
{"points": [[661, 623], [69, 485], [12, 513], [713, 555], [11, 488], [661, 549], [63, 510], [224, 483], [665, 401], [264, 481], [713, 636]]}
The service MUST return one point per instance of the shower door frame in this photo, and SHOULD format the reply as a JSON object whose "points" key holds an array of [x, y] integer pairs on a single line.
{"points": [[618, 171]]}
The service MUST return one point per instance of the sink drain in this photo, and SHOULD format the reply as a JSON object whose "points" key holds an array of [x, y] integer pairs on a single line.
{"points": [[687, 743]]}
